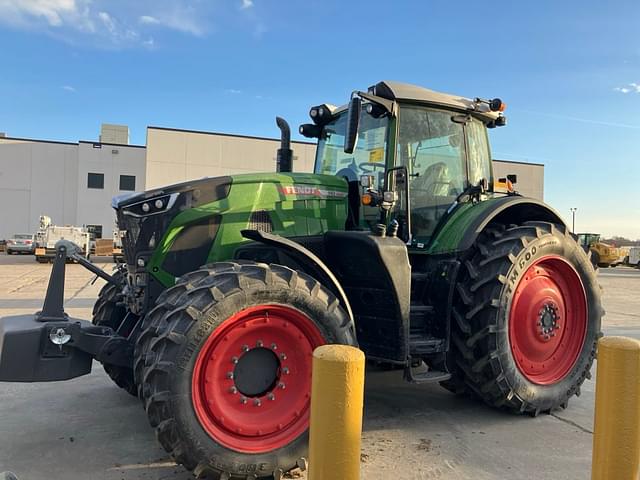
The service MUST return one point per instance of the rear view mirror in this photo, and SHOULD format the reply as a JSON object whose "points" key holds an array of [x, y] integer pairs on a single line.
{"points": [[353, 122]]}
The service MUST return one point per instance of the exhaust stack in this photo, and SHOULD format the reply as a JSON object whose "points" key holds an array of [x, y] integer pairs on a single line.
{"points": [[284, 156]]}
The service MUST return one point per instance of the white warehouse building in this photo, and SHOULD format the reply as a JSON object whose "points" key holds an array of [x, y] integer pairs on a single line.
{"points": [[73, 183]]}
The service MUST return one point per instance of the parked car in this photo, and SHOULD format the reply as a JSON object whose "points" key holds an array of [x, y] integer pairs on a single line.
{"points": [[21, 243]]}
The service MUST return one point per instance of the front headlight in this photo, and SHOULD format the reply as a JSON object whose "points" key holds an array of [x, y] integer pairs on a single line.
{"points": [[151, 206]]}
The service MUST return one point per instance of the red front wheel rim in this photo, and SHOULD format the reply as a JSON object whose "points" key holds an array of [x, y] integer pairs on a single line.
{"points": [[548, 320], [251, 381]]}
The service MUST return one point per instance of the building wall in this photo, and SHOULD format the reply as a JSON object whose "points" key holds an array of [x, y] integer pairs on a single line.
{"points": [[36, 178], [530, 176], [179, 155], [50, 178], [112, 160]]}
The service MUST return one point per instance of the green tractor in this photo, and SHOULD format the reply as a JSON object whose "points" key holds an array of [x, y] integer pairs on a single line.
{"points": [[396, 243]]}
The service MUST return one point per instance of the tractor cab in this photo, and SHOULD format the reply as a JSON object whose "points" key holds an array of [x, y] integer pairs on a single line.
{"points": [[426, 149]]}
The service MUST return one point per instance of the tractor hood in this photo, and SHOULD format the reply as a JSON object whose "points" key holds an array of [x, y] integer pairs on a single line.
{"points": [[177, 228], [210, 189]]}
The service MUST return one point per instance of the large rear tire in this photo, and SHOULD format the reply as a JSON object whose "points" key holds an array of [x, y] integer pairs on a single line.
{"points": [[528, 316], [224, 367], [109, 311]]}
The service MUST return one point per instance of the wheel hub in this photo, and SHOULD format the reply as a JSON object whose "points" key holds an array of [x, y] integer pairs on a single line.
{"points": [[548, 320], [252, 378], [256, 372]]}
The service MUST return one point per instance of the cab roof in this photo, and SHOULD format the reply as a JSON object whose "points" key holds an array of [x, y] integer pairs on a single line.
{"points": [[399, 91]]}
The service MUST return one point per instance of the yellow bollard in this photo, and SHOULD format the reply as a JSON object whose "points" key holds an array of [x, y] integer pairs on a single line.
{"points": [[616, 436], [337, 390]]}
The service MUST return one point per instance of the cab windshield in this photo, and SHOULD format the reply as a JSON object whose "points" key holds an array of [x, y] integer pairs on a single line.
{"points": [[368, 158], [443, 158]]}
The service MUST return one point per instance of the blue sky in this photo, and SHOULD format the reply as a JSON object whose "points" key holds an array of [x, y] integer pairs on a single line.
{"points": [[569, 72]]}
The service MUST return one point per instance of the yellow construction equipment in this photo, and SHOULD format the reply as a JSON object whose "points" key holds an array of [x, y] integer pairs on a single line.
{"points": [[602, 254]]}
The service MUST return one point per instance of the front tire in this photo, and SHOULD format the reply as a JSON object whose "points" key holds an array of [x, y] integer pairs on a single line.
{"points": [[528, 314], [109, 311], [225, 367]]}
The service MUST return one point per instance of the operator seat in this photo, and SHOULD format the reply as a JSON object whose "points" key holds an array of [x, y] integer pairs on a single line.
{"points": [[429, 192]]}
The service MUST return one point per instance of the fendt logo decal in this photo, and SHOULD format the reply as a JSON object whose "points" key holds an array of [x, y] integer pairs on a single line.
{"points": [[310, 191]]}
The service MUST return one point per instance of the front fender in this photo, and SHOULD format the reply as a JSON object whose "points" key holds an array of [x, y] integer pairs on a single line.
{"points": [[461, 229], [316, 267]]}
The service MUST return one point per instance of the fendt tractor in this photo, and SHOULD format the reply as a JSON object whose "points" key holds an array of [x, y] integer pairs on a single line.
{"points": [[396, 243]]}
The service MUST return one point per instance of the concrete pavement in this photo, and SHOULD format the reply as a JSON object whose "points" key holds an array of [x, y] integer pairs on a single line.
{"points": [[88, 428]]}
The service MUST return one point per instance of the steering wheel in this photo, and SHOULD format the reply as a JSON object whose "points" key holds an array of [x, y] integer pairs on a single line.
{"points": [[373, 166]]}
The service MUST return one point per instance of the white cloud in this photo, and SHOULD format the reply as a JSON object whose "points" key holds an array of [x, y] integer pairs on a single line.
{"points": [[52, 11], [68, 88], [183, 19], [629, 88], [58, 14], [148, 19], [107, 21], [116, 23], [234, 91]]}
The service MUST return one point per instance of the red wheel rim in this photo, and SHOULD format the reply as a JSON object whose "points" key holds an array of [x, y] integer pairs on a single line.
{"points": [[548, 320], [252, 413]]}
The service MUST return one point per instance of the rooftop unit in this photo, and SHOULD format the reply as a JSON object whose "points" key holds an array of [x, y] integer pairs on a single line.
{"points": [[110, 133]]}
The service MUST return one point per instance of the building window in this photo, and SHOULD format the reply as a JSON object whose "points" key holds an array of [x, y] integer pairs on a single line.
{"points": [[127, 182], [95, 231], [95, 180]]}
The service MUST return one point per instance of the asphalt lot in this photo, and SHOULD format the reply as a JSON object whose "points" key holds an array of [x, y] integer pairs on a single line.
{"points": [[88, 428]]}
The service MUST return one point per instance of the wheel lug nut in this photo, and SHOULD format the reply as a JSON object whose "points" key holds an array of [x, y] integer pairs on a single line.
{"points": [[233, 390], [243, 400], [259, 343], [285, 370], [245, 348], [230, 375], [257, 402], [553, 334], [546, 337], [281, 386], [234, 360], [283, 356], [274, 346], [271, 396]]}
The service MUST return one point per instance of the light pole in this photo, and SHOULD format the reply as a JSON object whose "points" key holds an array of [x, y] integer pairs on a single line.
{"points": [[573, 215]]}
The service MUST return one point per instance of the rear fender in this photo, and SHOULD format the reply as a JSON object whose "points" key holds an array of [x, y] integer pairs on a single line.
{"points": [[461, 229]]}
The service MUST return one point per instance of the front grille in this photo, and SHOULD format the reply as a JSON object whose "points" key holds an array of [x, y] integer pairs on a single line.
{"points": [[131, 226], [260, 220], [144, 232]]}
